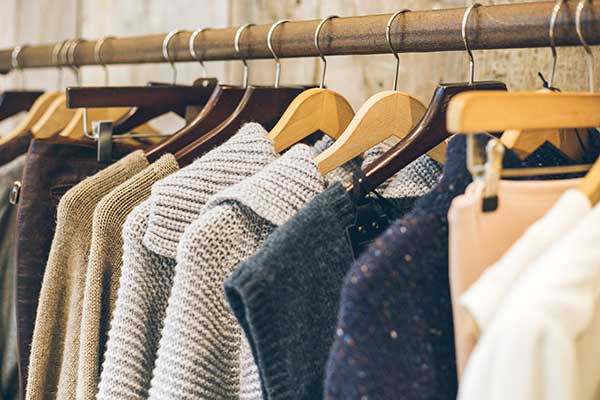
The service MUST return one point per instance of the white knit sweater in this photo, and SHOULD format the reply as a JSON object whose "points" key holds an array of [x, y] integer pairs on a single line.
{"points": [[200, 348], [148, 265]]}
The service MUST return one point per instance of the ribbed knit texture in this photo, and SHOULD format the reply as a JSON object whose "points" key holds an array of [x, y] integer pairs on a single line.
{"points": [[104, 268], [147, 276], [286, 296], [394, 336], [9, 374], [199, 353], [55, 346]]}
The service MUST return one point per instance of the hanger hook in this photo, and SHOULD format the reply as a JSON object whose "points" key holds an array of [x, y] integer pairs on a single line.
{"points": [[70, 53], [16, 64], [98, 56], [270, 44], [236, 44], [584, 43], [317, 32], [465, 21], [193, 37], [388, 37], [55, 60], [553, 18], [165, 51]]}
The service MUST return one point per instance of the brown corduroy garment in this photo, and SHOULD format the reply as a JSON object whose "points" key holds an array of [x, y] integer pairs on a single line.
{"points": [[56, 336], [52, 167]]}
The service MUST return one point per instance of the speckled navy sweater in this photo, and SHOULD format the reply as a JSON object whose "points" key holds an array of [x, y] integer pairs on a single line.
{"points": [[395, 338]]}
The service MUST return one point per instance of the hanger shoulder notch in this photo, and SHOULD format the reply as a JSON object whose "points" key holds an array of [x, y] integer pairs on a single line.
{"points": [[496, 111], [311, 111]]}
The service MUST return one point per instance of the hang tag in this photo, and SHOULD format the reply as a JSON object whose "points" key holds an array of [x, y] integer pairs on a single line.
{"points": [[371, 221], [102, 131]]}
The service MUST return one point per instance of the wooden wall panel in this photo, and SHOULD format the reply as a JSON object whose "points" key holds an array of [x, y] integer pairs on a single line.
{"points": [[357, 77]]}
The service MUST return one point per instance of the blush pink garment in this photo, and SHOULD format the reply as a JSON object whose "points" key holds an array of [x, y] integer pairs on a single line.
{"points": [[478, 239]]}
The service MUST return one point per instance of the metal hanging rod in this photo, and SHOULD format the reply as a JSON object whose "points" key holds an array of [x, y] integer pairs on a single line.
{"points": [[492, 27]]}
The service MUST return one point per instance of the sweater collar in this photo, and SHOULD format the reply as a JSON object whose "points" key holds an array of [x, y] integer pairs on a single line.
{"points": [[177, 200], [279, 190]]}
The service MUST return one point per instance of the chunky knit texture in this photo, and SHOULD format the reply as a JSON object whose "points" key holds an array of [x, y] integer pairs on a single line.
{"points": [[394, 336], [147, 275], [55, 346], [9, 375], [104, 268], [199, 353], [285, 297], [175, 199]]}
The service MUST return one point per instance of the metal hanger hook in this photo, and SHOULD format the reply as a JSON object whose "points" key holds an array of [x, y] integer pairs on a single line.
{"points": [[56, 61], [236, 44], [165, 50], [70, 53], [16, 64], [98, 56], [584, 43], [317, 32], [388, 37], [465, 39], [553, 18], [270, 45], [193, 53]]}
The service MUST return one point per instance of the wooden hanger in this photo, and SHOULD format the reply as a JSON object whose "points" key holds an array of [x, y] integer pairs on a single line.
{"points": [[317, 109], [386, 114], [54, 120], [495, 111], [75, 128], [13, 102], [264, 105], [33, 116], [569, 141], [431, 130], [259, 104]]}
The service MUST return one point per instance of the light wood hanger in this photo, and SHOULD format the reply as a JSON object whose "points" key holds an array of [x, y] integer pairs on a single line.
{"points": [[33, 116], [386, 114], [75, 128], [313, 110], [54, 120], [525, 142]]}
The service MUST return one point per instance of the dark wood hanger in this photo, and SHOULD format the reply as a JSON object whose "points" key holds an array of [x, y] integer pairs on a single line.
{"points": [[264, 105], [13, 102], [222, 103], [149, 101], [428, 133]]}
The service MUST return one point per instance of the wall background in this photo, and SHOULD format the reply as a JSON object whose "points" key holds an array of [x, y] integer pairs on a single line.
{"points": [[356, 77]]}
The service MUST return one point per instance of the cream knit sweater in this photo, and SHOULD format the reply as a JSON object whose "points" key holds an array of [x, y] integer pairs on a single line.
{"points": [[147, 274], [104, 268], [55, 345], [200, 350]]}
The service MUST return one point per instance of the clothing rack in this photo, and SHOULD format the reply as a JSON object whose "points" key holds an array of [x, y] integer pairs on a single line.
{"points": [[490, 27]]}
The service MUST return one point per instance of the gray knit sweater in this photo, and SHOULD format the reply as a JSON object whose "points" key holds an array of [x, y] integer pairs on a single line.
{"points": [[200, 350], [148, 265]]}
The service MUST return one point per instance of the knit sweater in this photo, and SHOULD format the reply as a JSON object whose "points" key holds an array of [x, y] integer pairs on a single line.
{"points": [[394, 336], [104, 268], [9, 375], [55, 346], [147, 275], [200, 348], [285, 297]]}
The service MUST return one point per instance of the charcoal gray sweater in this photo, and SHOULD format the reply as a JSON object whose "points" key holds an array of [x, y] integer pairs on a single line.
{"points": [[285, 297]]}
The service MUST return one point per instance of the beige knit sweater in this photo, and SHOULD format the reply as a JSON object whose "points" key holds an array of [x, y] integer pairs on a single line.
{"points": [[55, 345], [104, 268]]}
